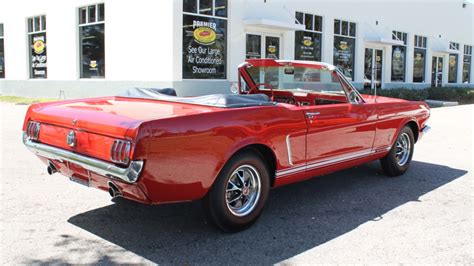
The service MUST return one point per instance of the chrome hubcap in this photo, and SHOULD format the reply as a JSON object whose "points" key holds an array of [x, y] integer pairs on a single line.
{"points": [[243, 190], [403, 148]]}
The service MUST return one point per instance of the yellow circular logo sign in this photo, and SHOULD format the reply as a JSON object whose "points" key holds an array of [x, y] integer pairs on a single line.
{"points": [[204, 35], [343, 46], [307, 42], [397, 54], [93, 63], [271, 49], [452, 60], [38, 46]]}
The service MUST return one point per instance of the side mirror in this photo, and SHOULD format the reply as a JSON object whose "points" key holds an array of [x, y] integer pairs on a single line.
{"points": [[234, 88]]}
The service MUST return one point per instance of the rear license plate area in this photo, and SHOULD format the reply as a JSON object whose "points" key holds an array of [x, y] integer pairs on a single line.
{"points": [[79, 175], [80, 180]]}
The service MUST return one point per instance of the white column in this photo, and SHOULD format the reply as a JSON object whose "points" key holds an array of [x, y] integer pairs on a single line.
{"points": [[388, 64], [445, 69], [327, 52], [460, 63], [359, 54], [288, 43], [428, 62], [471, 76], [409, 58]]}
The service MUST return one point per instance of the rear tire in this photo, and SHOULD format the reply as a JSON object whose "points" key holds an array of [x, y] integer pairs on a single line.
{"points": [[397, 161], [239, 193]]}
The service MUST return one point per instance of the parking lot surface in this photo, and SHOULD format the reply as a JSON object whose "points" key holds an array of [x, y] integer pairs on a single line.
{"points": [[354, 216]]}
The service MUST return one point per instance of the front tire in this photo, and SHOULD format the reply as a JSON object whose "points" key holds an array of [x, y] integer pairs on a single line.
{"points": [[239, 193], [397, 161]]}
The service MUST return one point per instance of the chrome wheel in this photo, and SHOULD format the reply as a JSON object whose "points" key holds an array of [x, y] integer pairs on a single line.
{"points": [[243, 190], [403, 148]]}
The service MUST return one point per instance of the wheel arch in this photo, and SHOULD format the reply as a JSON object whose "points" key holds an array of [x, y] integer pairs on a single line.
{"points": [[414, 127], [265, 152], [412, 123]]}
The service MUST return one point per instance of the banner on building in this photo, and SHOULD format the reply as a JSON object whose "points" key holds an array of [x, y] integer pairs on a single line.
{"points": [[204, 47], [38, 55]]}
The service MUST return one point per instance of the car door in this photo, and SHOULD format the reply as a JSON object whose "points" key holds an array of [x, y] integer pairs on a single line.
{"points": [[338, 130]]}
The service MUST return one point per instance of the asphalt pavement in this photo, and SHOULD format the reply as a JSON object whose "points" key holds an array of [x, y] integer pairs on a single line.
{"points": [[353, 216]]}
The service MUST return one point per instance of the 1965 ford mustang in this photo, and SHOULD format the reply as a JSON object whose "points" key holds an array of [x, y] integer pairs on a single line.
{"points": [[292, 120]]}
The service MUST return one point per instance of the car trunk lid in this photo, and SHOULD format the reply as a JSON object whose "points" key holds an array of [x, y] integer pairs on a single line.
{"points": [[111, 116], [102, 127]]}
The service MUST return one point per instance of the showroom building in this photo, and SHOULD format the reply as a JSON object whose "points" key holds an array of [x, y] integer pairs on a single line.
{"points": [[88, 48]]}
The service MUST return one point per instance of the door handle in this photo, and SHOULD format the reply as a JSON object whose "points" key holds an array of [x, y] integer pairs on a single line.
{"points": [[312, 114]]}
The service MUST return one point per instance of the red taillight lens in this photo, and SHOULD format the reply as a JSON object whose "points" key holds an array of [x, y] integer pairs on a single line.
{"points": [[120, 151], [33, 130]]}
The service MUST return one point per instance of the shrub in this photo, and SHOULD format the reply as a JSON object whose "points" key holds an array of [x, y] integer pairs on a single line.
{"points": [[401, 93], [454, 94]]}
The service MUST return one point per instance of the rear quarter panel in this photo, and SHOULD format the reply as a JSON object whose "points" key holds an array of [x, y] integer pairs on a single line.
{"points": [[185, 154]]}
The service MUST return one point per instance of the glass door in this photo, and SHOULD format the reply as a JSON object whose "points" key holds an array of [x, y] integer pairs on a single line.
{"points": [[437, 71], [373, 68], [262, 46]]}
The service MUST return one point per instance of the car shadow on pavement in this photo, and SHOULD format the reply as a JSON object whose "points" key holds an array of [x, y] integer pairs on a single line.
{"points": [[297, 218]]}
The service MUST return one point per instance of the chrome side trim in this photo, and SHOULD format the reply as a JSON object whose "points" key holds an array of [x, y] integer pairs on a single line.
{"points": [[290, 153], [128, 175], [318, 164], [340, 159], [290, 171]]}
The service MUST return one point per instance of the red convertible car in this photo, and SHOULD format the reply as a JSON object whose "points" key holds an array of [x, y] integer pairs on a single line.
{"points": [[290, 121]]}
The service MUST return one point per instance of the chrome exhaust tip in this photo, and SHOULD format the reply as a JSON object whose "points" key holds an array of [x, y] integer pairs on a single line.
{"points": [[114, 191], [51, 168]]}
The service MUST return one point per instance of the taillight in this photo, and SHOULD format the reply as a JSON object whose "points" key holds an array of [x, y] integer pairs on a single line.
{"points": [[120, 152], [33, 130]]}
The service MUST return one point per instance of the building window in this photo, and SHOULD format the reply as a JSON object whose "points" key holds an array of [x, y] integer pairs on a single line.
{"points": [[453, 68], [454, 46], [308, 42], [253, 46], [205, 39], [399, 56], [344, 45], [419, 59], [91, 41], [37, 47], [2, 54], [466, 69]]}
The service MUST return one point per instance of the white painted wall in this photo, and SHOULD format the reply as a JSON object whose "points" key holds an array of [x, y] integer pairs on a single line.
{"points": [[143, 39]]}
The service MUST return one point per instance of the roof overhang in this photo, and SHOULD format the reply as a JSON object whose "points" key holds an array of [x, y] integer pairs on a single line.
{"points": [[446, 51], [273, 24], [442, 46], [383, 41]]}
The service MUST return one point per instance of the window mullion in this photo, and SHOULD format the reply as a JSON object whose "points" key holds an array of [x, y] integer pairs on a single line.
{"points": [[97, 12], [214, 8], [87, 15]]}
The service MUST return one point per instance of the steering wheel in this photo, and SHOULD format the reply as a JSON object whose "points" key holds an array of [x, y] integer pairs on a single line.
{"points": [[264, 85]]}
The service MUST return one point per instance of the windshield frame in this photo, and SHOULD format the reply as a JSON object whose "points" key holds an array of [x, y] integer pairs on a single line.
{"points": [[245, 75]]}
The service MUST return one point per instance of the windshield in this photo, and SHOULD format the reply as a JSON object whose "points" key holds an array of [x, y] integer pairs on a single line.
{"points": [[296, 79]]}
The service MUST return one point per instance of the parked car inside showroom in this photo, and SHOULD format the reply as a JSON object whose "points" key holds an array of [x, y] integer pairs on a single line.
{"points": [[290, 121]]}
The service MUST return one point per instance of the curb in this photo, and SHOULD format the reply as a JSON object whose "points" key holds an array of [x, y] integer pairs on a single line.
{"points": [[435, 103]]}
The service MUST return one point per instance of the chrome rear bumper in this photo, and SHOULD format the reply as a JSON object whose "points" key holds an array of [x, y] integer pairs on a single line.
{"points": [[128, 175]]}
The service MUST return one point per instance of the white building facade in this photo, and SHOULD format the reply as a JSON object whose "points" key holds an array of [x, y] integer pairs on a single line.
{"points": [[82, 48]]}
